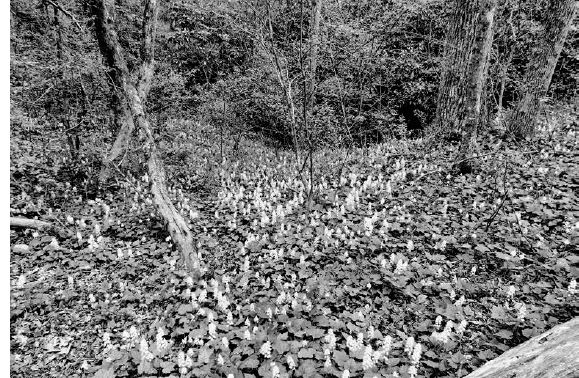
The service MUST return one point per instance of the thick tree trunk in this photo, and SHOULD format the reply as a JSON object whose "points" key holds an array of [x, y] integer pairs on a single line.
{"points": [[553, 354], [475, 81], [466, 54], [464, 70], [540, 69], [111, 50]]}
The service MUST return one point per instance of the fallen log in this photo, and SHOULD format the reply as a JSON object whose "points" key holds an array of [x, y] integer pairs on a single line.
{"points": [[553, 354], [18, 222]]}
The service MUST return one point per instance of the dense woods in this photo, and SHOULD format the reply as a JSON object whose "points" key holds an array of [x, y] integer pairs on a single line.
{"points": [[316, 188]]}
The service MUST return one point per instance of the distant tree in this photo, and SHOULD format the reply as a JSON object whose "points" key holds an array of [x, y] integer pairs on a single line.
{"points": [[464, 70], [557, 22]]}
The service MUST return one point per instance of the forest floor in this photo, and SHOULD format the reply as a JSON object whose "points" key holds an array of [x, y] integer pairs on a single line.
{"points": [[390, 251]]}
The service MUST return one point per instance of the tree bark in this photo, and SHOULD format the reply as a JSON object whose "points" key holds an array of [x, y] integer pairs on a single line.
{"points": [[464, 71], [315, 43], [131, 93], [552, 354], [484, 13], [539, 72], [145, 76]]}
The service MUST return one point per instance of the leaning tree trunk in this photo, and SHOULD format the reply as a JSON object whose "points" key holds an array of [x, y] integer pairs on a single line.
{"points": [[559, 17], [553, 354], [145, 76], [133, 95]]}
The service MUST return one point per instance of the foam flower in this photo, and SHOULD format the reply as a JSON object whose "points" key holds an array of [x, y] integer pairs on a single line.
{"points": [[290, 362], [367, 361], [265, 349]]}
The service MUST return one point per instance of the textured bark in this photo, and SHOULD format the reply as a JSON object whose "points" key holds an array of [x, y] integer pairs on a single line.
{"points": [[145, 76], [541, 67], [466, 55], [110, 48], [552, 354], [475, 81]]}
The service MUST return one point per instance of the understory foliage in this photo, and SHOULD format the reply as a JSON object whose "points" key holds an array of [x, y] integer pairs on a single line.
{"points": [[377, 73], [384, 266]]}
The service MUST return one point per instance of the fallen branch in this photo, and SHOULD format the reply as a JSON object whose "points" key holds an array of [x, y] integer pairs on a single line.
{"points": [[67, 13], [29, 223], [552, 354]]}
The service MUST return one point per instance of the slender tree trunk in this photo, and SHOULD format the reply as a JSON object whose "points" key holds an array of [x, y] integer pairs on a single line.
{"points": [[315, 43], [130, 92], [145, 75], [540, 69]]}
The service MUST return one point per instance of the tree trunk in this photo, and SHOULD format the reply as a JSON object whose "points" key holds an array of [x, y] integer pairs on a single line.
{"points": [[464, 70], [540, 69], [466, 55], [145, 76], [481, 42], [552, 354], [131, 93], [315, 43]]}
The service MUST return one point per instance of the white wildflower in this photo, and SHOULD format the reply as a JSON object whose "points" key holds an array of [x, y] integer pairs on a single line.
{"points": [[461, 327], [275, 373], [416, 353], [387, 345], [290, 362], [265, 349], [328, 363], [521, 312], [269, 313], [409, 346], [330, 338], [225, 342], [367, 362], [162, 344], [438, 322], [460, 301], [146, 355], [572, 289], [401, 267], [212, 330], [371, 332], [412, 371], [184, 362], [511, 291], [220, 360], [346, 374]]}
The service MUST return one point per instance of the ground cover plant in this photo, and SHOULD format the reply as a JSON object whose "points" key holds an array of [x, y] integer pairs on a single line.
{"points": [[391, 266], [312, 188]]}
